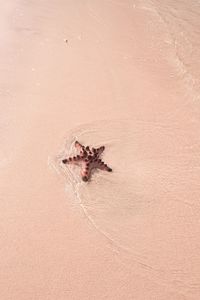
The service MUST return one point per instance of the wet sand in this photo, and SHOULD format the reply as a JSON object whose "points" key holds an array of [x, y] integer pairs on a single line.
{"points": [[117, 73]]}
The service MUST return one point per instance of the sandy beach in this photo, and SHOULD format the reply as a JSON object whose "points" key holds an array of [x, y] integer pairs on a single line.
{"points": [[119, 73]]}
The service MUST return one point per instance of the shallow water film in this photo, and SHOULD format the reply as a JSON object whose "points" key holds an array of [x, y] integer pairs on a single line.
{"points": [[139, 205]]}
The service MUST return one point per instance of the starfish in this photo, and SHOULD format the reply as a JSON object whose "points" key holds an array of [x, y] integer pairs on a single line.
{"points": [[89, 158]]}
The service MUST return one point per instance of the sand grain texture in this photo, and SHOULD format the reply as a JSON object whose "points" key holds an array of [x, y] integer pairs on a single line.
{"points": [[127, 78]]}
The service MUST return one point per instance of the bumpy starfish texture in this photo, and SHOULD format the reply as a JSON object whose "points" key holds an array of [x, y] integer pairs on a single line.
{"points": [[88, 159]]}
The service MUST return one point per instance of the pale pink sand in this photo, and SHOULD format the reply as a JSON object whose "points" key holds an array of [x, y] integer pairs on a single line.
{"points": [[128, 60]]}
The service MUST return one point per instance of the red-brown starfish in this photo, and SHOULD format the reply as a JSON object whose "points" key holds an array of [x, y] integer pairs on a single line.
{"points": [[88, 159]]}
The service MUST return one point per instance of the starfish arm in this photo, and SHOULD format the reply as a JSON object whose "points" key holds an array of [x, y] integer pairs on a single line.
{"points": [[85, 172], [102, 166], [99, 150], [72, 159], [79, 146]]}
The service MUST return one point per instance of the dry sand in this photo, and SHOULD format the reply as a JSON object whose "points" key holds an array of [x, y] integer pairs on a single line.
{"points": [[120, 73]]}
